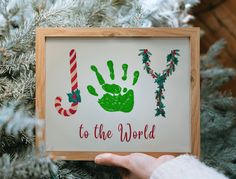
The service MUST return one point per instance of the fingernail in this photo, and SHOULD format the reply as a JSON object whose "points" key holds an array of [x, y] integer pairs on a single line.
{"points": [[98, 158]]}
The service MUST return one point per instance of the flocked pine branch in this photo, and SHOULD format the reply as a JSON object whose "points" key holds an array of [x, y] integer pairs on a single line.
{"points": [[17, 156], [17, 70], [17, 129]]}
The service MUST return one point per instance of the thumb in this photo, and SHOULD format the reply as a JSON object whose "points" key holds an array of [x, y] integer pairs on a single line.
{"points": [[112, 159]]}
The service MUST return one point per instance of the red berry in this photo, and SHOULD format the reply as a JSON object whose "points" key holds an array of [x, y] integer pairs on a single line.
{"points": [[173, 52]]}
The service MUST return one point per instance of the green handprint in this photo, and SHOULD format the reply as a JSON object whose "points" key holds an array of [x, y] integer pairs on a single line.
{"points": [[115, 99]]}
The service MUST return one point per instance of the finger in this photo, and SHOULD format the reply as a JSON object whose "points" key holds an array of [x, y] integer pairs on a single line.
{"points": [[92, 90], [111, 69], [136, 76], [112, 159], [98, 75], [125, 69], [165, 158]]}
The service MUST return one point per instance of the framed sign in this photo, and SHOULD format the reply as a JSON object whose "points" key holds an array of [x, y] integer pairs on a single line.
{"points": [[118, 90]]}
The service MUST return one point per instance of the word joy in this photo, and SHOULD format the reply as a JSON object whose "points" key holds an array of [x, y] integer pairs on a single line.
{"points": [[125, 132]]}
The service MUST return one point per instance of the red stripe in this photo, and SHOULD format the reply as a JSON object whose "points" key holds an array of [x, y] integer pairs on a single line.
{"points": [[73, 68], [72, 111], [57, 104], [65, 113], [72, 51], [59, 111], [72, 59], [75, 86], [58, 98], [73, 104], [73, 78]]}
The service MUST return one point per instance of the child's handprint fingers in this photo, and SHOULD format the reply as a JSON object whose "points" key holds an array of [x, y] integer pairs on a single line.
{"points": [[125, 69], [99, 76], [136, 76], [111, 69], [92, 90], [112, 88]]}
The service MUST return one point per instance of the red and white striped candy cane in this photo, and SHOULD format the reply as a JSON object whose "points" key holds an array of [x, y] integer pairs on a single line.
{"points": [[74, 85]]}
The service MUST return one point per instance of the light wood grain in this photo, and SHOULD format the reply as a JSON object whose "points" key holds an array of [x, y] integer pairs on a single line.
{"points": [[195, 93], [40, 85], [191, 33], [65, 155], [217, 19], [117, 32]]}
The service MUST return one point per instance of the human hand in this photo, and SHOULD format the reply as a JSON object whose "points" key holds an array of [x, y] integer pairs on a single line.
{"points": [[140, 166]]}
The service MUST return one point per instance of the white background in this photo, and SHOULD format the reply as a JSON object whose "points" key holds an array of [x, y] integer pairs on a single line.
{"points": [[172, 133]]}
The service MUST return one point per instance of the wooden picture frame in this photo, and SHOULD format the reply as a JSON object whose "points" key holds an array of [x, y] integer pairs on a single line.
{"points": [[43, 34]]}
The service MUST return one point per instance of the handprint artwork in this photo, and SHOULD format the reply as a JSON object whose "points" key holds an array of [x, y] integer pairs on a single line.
{"points": [[115, 98], [118, 90]]}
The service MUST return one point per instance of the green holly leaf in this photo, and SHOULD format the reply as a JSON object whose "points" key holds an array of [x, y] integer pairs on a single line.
{"points": [[157, 92], [177, 54], [169, 57], [173, 68], [160, 112], [70, 98], [161, 105], [148, 69], [161, 80], [77, 93], [149, 53], [145, 58], [177, 50], [163, 113], [157, 113], [175, 60], [74, 97]]}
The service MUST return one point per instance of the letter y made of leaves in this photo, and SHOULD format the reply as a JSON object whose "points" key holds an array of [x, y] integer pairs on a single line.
{"points": [[160, 78]]}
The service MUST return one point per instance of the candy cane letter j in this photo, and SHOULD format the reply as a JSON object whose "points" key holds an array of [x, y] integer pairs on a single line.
{"points": [[73, 97]]}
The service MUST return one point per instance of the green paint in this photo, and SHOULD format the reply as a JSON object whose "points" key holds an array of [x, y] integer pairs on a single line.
{"points": [[111, 69], [112, 88], [99, 76], [125, 69], [115, 97], [92, 90], [136, 75], [122, 103]]}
